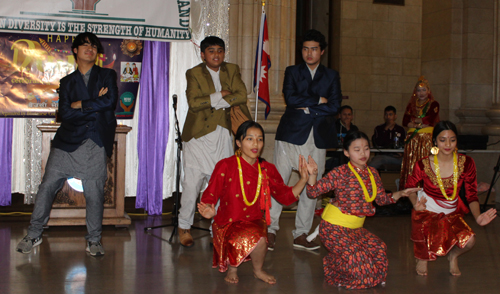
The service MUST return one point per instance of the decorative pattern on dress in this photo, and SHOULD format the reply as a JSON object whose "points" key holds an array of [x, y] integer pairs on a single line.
{"points": [[447, 182], [356, 258], [348, 192], [435, 234], [237, 227]]}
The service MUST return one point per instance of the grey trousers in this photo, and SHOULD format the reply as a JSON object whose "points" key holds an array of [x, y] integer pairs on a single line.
{"points": [[286, 159], [87, 163], [191, 187]]}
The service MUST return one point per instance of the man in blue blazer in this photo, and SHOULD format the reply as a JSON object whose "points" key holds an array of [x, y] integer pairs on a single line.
{"points": [[87, 100], [312, 95]]}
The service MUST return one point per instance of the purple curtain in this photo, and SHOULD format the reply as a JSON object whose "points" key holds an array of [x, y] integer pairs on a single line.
{"points": [[153, 126], [5, 161]]}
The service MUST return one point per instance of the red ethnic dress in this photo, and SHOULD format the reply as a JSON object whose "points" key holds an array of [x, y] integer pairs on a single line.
{"points": [[418, 144], [238, 227], [441, 226], [356, 258]]}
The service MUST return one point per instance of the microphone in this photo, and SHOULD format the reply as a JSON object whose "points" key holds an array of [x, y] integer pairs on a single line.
{"points": [[174, 97]]}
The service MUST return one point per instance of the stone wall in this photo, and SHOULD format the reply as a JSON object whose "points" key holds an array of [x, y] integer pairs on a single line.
{"points": [[379, 57]]}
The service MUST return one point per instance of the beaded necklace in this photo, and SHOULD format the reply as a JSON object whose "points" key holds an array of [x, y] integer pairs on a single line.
{"points": [[455, 177], [365, 191], [259, 183]]}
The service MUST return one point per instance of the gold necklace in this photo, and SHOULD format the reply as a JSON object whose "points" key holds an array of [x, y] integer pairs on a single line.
{"points": [[259, 183], [455, 176], [365, 191], [421, 105]]}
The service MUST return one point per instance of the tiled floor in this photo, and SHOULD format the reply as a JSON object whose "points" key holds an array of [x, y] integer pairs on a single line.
{"points": [[136, 262]]}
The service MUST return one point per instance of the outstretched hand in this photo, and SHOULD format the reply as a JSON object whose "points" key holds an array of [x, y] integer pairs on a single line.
{"points": [[206, 210], [304, 176], [486, 217], [420, 204], [409, 191], [405, 193], [303, 168], [312, 166]]}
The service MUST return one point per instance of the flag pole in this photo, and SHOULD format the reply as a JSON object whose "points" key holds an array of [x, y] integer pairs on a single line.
{"points": [[259, 59]]}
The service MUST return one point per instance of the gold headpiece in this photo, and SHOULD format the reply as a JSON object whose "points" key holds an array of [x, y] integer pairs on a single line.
{"points": [[422, 82]]}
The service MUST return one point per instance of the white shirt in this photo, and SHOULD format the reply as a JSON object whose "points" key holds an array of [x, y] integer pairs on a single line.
{"points": [[216, 99]]}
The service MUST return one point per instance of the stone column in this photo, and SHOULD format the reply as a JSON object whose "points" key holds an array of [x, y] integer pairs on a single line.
{"points": [[493, 128], [244, 25]]}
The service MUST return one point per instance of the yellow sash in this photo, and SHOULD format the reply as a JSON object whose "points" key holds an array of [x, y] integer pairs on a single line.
{"points": [[427, 130], [333, 215]]}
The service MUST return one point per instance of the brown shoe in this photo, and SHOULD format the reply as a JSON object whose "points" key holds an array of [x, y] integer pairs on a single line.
{"points": [[186, 238], [271, 239], [302, 243]]}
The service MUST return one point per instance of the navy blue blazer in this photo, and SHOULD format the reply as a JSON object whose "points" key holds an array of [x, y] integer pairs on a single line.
{"points": [[300, 90], [97, 114]]}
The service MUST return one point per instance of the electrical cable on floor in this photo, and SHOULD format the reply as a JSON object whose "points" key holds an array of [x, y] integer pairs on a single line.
{"points": [[491, 144]]}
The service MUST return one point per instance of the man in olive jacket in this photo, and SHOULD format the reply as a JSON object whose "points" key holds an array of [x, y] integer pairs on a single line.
{"points": [[213, 87]]}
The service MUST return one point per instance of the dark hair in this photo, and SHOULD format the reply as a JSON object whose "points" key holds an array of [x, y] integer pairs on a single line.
{"points": [[354, 135], [212, 41], [241, 133], [316, 36], [444, 125], [345, 107], [390, 108], [86, 37]]}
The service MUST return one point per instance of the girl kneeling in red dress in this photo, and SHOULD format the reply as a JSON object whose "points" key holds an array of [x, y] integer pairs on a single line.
{"points": [[244, 184]]}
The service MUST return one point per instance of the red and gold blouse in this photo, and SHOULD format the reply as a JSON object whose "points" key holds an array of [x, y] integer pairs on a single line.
{"points": [[225, 186], [348, 192], [413, 110], [423, 176]]}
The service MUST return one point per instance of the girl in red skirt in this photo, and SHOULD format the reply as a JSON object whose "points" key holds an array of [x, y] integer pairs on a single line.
{"points": [[438, 227], [244, 184]]}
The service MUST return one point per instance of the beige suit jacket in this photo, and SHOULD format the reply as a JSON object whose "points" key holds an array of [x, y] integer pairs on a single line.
{"points": [[202, 119]]}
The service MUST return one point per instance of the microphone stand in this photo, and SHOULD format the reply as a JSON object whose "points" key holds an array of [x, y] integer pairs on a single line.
{"points": [[493, 180], [176, 194]]}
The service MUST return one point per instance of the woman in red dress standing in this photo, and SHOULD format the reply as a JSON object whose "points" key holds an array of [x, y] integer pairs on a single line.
{"points": [[421, 114]]}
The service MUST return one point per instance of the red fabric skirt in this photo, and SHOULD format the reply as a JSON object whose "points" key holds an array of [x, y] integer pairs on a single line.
{"points": [[356, 258], [435, 234], [234, 242]]}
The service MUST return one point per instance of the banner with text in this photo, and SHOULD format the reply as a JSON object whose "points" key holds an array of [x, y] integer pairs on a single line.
{"points": [[31, 67], [157, 20]]}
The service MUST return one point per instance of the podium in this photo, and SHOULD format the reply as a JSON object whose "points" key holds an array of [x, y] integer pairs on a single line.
{"points": [[68, 208]]}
